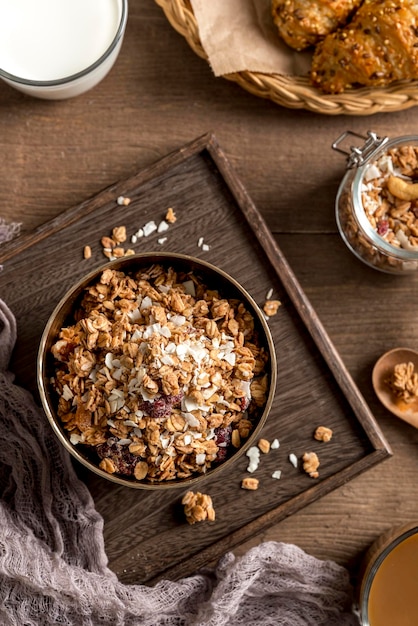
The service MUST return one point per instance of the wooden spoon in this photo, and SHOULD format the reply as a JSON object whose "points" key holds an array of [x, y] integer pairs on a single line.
{"points": [[382, 370]]}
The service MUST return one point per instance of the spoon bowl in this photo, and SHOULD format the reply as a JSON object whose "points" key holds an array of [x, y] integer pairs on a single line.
{"points": [[381, 373]]}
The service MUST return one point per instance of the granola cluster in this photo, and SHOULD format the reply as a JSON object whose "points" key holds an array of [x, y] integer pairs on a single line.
{"points": [[159, 375], [311, 464], [403, 382], [198, 507]]}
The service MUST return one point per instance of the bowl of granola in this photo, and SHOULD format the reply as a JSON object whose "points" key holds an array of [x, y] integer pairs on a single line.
{"points": [[157, 370]]}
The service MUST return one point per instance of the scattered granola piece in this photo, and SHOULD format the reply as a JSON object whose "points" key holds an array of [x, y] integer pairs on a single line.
{"points": [[107, 242], [311, 464], [108, 253], [87, 252], [250, 483], [170, 216], [201, 244], [110, 245], [198, 507], [275, 444], [264, 446], [119, 234], [277, 474], [123, 201], [269, 294], [271, 307], [253, 454], [118, 252], [293, 459], [162, 240], [322, 433]]}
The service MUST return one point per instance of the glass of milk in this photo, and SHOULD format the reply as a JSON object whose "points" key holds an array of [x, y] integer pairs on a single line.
{"points": [[58, 49]]}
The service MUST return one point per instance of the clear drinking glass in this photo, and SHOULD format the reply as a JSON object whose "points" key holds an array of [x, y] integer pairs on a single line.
{"points": [[56, 50]]}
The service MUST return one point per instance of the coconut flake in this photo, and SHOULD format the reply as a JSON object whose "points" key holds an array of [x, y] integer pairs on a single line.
{"points": [[277, 474], [178, 320], [253, 454], [149, 228], [189, 287], [146, 303], [372, 172], [293, 459], [67, 394], [275, 444], [230, 357], [162, 227], [167, 360], [189, 404], [156, 329], [191, 420], [182, 351], [200, 458]]}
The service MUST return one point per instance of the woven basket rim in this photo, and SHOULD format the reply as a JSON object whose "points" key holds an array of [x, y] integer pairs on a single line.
{"points": [[296, 92]]}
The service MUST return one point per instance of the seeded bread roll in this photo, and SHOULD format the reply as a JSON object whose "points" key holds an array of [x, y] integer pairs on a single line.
{"points": [[303, 23], [378, 47]]}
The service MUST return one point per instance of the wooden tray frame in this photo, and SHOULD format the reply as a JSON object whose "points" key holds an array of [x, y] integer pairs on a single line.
{"points": [[13, 253]]}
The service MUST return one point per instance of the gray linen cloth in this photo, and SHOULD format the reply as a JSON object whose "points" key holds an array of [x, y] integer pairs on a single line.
{"points": [[54, 568]]}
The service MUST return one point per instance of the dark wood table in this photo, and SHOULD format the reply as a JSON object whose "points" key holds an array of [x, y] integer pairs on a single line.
{"points": [[158, 97]]}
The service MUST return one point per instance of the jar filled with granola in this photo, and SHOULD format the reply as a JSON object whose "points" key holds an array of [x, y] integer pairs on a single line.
{"points": [[377, 202]]}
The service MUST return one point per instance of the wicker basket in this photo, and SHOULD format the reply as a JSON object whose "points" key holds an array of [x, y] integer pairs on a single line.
{"points": [[295, 92]]}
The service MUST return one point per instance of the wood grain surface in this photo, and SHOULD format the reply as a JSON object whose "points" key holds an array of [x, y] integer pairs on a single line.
{"points": [[159, 97]]}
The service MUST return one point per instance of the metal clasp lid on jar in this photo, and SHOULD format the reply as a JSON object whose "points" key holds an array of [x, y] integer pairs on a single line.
{"points": [[357, 156]]}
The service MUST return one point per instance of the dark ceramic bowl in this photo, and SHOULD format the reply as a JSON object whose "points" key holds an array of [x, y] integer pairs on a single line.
{"points": [[63, 316]]}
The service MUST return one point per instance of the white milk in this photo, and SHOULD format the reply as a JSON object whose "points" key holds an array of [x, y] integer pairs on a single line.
{"points": [[49, 41]]}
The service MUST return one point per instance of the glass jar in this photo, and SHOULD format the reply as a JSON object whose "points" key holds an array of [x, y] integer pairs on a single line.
{"points": [[377, 217]]}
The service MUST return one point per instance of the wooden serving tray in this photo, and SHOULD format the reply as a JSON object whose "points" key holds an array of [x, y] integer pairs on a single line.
{"points": [[146, 535]]}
